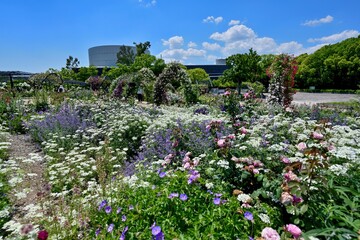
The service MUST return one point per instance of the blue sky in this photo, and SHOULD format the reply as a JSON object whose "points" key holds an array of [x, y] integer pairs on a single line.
{"points": [[39, 34]]}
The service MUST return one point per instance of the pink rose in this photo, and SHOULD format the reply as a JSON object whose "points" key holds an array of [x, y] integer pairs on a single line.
{"points": [[270, 234], [317, 135], [243, 130], [290, 176], [301, 146], [231, 136], [286, 198], [293, 229], [285, 160], [187, 165], [221, 143]]}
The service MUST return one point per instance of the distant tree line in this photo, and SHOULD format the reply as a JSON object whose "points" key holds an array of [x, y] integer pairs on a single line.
{"points": [[334, 66]]}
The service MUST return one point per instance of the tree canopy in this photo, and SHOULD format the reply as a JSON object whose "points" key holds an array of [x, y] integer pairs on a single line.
{"points": [[334, 66]]}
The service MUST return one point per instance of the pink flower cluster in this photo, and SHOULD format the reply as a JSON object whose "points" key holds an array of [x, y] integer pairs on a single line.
{"points": [[214, 124], [253, 166], [287, 198], [188, 163], [293, 230], [290, 176], [167, 159], [225, 142], [270, 234], [317, 135]]}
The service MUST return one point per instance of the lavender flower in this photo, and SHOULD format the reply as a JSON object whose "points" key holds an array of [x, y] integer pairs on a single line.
{"points": [[156, 232], [123, 218], [131, 207], [97, 232]]}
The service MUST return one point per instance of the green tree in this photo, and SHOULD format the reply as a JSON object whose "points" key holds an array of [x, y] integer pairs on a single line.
{"points": [[72, 62], [85, 72], [197, 74], [125, 55], [243, 67], [141, 48]]}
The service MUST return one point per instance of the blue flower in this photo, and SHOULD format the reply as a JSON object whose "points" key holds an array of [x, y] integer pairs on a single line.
{"points": [[123, 218], [156, 232], [183, 197], [118, 210], [249, 216], [173, 195], [122, 237], [131, 207], [108, 209], [217, 201], [97, 232], [102, 204], [111, 227], [162, 174]]}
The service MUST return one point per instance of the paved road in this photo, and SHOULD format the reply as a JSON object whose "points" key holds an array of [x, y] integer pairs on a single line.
{"points": [[313, 98]]}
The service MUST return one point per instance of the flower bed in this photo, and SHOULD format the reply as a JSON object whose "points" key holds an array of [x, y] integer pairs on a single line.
{"points": [[166, 172]]}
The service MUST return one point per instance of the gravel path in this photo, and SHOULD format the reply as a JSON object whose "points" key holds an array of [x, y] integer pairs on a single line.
{"points": [[314, 98], [29, 168]]}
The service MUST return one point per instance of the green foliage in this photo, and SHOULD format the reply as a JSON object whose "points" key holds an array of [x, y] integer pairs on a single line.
{"points": [[41, 101], [243, 67], [125, 55], [86, 72], [332, 66], [257, 87], [197, 74], [72, 62], [141, 48]]}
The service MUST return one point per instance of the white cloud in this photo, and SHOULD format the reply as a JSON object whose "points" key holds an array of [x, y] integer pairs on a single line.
{"points": [[290, 48], [174, 42], [234, 33], [336, 37], [212, 19], [234, 22], [316, 22], [192, 44], [211, 46], [181, 54], [147, 3]]}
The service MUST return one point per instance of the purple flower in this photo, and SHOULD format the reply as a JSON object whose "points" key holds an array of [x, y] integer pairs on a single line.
{"points": [[183, 197], [156, 232], [249, 216], [173, 195], [218, 194], [111, 227], [217, 201], [102, 204], [122, 237], [123, 218], [193, 177], [97, 232], [108, 209], [131, 207], [209, 191], [118, 210], [162, 174]]}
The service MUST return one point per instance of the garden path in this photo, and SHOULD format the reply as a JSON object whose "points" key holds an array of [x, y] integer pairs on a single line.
{"points": [[29, 170]]}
